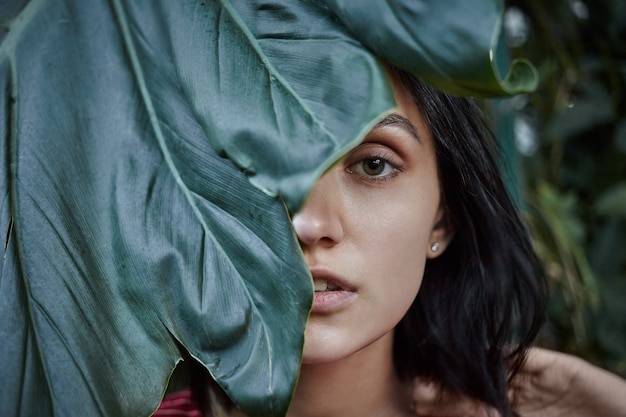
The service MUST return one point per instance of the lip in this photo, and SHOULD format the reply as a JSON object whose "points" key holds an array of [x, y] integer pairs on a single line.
{"points": [[331, 301]]}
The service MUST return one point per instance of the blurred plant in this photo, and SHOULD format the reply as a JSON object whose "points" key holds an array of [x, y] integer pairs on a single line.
{"points": [[571, 135]]}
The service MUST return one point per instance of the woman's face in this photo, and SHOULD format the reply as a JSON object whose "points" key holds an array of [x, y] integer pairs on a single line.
{"points": [[366, 232]]}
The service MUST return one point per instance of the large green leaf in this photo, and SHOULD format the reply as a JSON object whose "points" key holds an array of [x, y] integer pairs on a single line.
{"points": [[450, 44], [129, 231], [130, 131]]}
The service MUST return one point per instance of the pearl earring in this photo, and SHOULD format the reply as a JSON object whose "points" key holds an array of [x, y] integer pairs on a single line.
{"points": [[434, 247]]}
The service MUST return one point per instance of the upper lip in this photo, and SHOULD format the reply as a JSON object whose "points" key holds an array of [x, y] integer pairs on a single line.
{"points": [[324, 273]]}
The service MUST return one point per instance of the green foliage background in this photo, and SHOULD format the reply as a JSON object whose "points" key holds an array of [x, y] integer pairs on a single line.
{"points": [[571, 138]]}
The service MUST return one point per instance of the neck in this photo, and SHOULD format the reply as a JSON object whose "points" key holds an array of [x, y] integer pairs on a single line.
{"points": [[364, 384]]}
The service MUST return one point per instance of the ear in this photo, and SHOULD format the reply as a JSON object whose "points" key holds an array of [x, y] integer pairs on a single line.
{"points": [[440, 236]]}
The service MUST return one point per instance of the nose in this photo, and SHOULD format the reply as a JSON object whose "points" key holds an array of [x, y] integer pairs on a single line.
{"points": [[319, 221]]}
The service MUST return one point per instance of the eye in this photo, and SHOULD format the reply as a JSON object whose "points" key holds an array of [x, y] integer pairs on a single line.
{"points": [[376, 167]]}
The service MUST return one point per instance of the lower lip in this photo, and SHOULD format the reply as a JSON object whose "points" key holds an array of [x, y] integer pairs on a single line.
{"points": [[330, 301]]}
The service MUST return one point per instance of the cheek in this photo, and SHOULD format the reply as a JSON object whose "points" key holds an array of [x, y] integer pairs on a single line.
{"points": [[407, 260], [391, 239], [400, 237], [400, 255]]}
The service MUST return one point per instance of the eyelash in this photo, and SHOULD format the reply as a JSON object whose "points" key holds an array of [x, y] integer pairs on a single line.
{"points": [[384, 159]]}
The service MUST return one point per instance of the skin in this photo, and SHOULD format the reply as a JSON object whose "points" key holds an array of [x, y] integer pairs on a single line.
{"points": [[368, 224]]}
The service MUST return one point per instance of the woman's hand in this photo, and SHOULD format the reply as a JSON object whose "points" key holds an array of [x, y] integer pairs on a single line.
{"points": [[551, 384]]}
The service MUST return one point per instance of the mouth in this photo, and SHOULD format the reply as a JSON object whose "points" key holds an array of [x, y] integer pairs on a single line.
{"points": [[326, 281], [332, 293], [322, 285]]}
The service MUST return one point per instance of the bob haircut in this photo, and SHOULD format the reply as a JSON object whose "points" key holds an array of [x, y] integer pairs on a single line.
{"points": [[482, 301]]}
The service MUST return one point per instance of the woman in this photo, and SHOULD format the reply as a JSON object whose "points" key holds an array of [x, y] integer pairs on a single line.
{"points": [[418, 204], [420, 196]]}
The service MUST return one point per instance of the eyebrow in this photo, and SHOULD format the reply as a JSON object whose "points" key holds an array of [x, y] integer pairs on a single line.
{"points": [[394, 119]]}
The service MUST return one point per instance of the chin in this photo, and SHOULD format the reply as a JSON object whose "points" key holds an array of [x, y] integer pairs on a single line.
{"points": [[322, 356], [330, 350]]}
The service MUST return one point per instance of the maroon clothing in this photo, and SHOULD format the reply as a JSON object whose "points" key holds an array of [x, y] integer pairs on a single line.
{"points": [[178, 404]]}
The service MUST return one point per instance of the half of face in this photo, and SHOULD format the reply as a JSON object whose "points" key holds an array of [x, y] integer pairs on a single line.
{"points": [[366, 231]]}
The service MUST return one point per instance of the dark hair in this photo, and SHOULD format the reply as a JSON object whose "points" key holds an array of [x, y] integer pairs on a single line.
{"points": [[482, 301]]}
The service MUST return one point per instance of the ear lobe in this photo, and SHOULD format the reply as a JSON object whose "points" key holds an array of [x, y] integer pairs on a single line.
{"points": [[440, 236]]}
